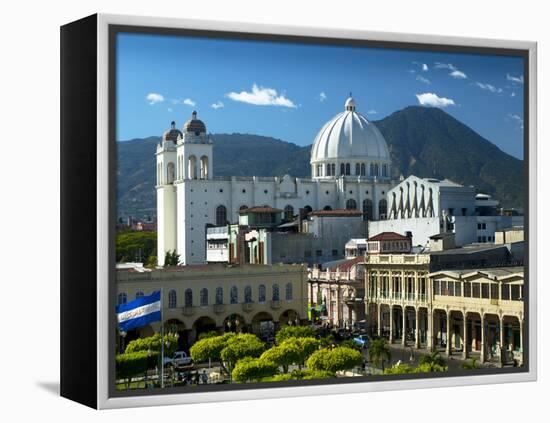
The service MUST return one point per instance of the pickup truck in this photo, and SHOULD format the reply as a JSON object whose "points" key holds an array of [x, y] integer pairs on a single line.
{"points": [[180, 358]]}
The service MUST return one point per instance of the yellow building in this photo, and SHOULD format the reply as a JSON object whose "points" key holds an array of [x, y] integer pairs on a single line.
{"points": [[477, 312], [201, 298]]}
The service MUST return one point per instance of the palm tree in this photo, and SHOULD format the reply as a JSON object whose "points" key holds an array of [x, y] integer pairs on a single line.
{"points": [[379, 352], [432, 360]]}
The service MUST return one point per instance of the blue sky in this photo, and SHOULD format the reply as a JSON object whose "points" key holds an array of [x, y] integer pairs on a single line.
{"points": [[288, 91]]}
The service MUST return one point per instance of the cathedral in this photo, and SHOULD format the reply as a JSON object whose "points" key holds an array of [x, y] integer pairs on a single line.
{"points": [[350, 169]]}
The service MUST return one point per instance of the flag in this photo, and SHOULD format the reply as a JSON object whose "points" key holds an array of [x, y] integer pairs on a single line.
{"points": [[140, 312]]}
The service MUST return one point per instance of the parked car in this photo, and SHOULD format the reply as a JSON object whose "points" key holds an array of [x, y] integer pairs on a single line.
{"points": [[363, 340], [179, 359]]}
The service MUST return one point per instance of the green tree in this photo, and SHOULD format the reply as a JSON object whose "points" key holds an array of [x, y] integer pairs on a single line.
{"points": [[171, 258], [470, 364], [210, 349], [305, 374], [253, 369], [153, 343], [240, 346], [399, 369], [209, 334], [129, 365], [430, 368], [291, 351], [336, 359], [294, 332], [135, 245], [350, 343], [379, 352], [432, 361]]}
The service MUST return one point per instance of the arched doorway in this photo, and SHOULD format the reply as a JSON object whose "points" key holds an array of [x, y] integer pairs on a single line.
{"points": [[178, 327], [202, 325], [263, 326], [234, 323], [289, 318]]}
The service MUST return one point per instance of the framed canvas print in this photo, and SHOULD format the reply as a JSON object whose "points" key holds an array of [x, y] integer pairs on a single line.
{"points": [[254, 211]]}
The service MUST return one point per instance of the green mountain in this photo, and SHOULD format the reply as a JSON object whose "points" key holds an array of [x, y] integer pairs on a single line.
{"points": [[426, 142]]}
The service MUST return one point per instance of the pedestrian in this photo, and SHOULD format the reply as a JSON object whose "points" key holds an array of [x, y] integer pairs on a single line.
{"points": [[204, 377]]}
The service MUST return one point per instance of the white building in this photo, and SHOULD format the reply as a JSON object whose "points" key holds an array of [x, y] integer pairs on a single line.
{"points": [[350, 168], [425, 207]]}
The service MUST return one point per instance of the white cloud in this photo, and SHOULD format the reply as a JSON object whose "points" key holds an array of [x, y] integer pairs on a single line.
{"points": [[422, 79], [454, 71], [322, 96], [411, 71], [425, 67], [458, 74], [189, 102], [372, 112], [513, 94], [489, 87], [431, 99], [154, 98], [170, 109], [517, 119], [516, 79], [261, 96], [217, 105]]}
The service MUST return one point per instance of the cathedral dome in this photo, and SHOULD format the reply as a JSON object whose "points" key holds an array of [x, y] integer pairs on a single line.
{"points": [[173, 134], [349, 136], [195, 125]]}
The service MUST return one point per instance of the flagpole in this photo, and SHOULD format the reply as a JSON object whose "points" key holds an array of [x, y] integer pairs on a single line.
{"points": [[161, 339]]}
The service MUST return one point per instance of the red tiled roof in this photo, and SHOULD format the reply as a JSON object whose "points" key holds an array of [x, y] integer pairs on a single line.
{"points": [[337, 212], [388, 236], [348, 264], [260, 209]]}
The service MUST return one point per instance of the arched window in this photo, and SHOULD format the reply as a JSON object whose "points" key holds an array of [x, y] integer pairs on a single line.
{"points": [[122, 298], [204, 297], [382, 209], [367, 210], [221, 216], [234, 294], [192, 167], [172, 299], [261, 293], [333, 169], [275, 295], [219, 295], [308, 209], [248, 294], [363, 173], [204, 167], [327, 169], [376, 170], [139, 294], [351, 204], [170, 173], [327, 208], [188, 297], [319, 170], [372, 169], [357, 169], [288, 291], [289, 212], [348, 169], [384, 170], [342, 169]]}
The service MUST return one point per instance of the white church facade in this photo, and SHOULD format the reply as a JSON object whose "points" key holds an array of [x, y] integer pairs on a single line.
{"points": [[350, 169]]}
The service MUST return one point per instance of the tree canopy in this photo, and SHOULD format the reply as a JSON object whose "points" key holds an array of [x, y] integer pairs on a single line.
{"points": [[135, 246], [251, 369], [291, 351], [335, 359], [294, 332]]}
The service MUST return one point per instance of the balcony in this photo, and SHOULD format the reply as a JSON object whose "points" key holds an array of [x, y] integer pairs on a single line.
{"points": [[248, 307], [275, 304], [188, 311], [352, 299], [219, 308]]}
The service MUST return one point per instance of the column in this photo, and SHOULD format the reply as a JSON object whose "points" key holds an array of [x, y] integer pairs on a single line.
{"points": [[521, 336], [391, 323], [465, 336], [416, 288], [430, 336], [482, 358], [404, 327], [417, 329], [501, 336], [379, 319], [448, 348]]}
